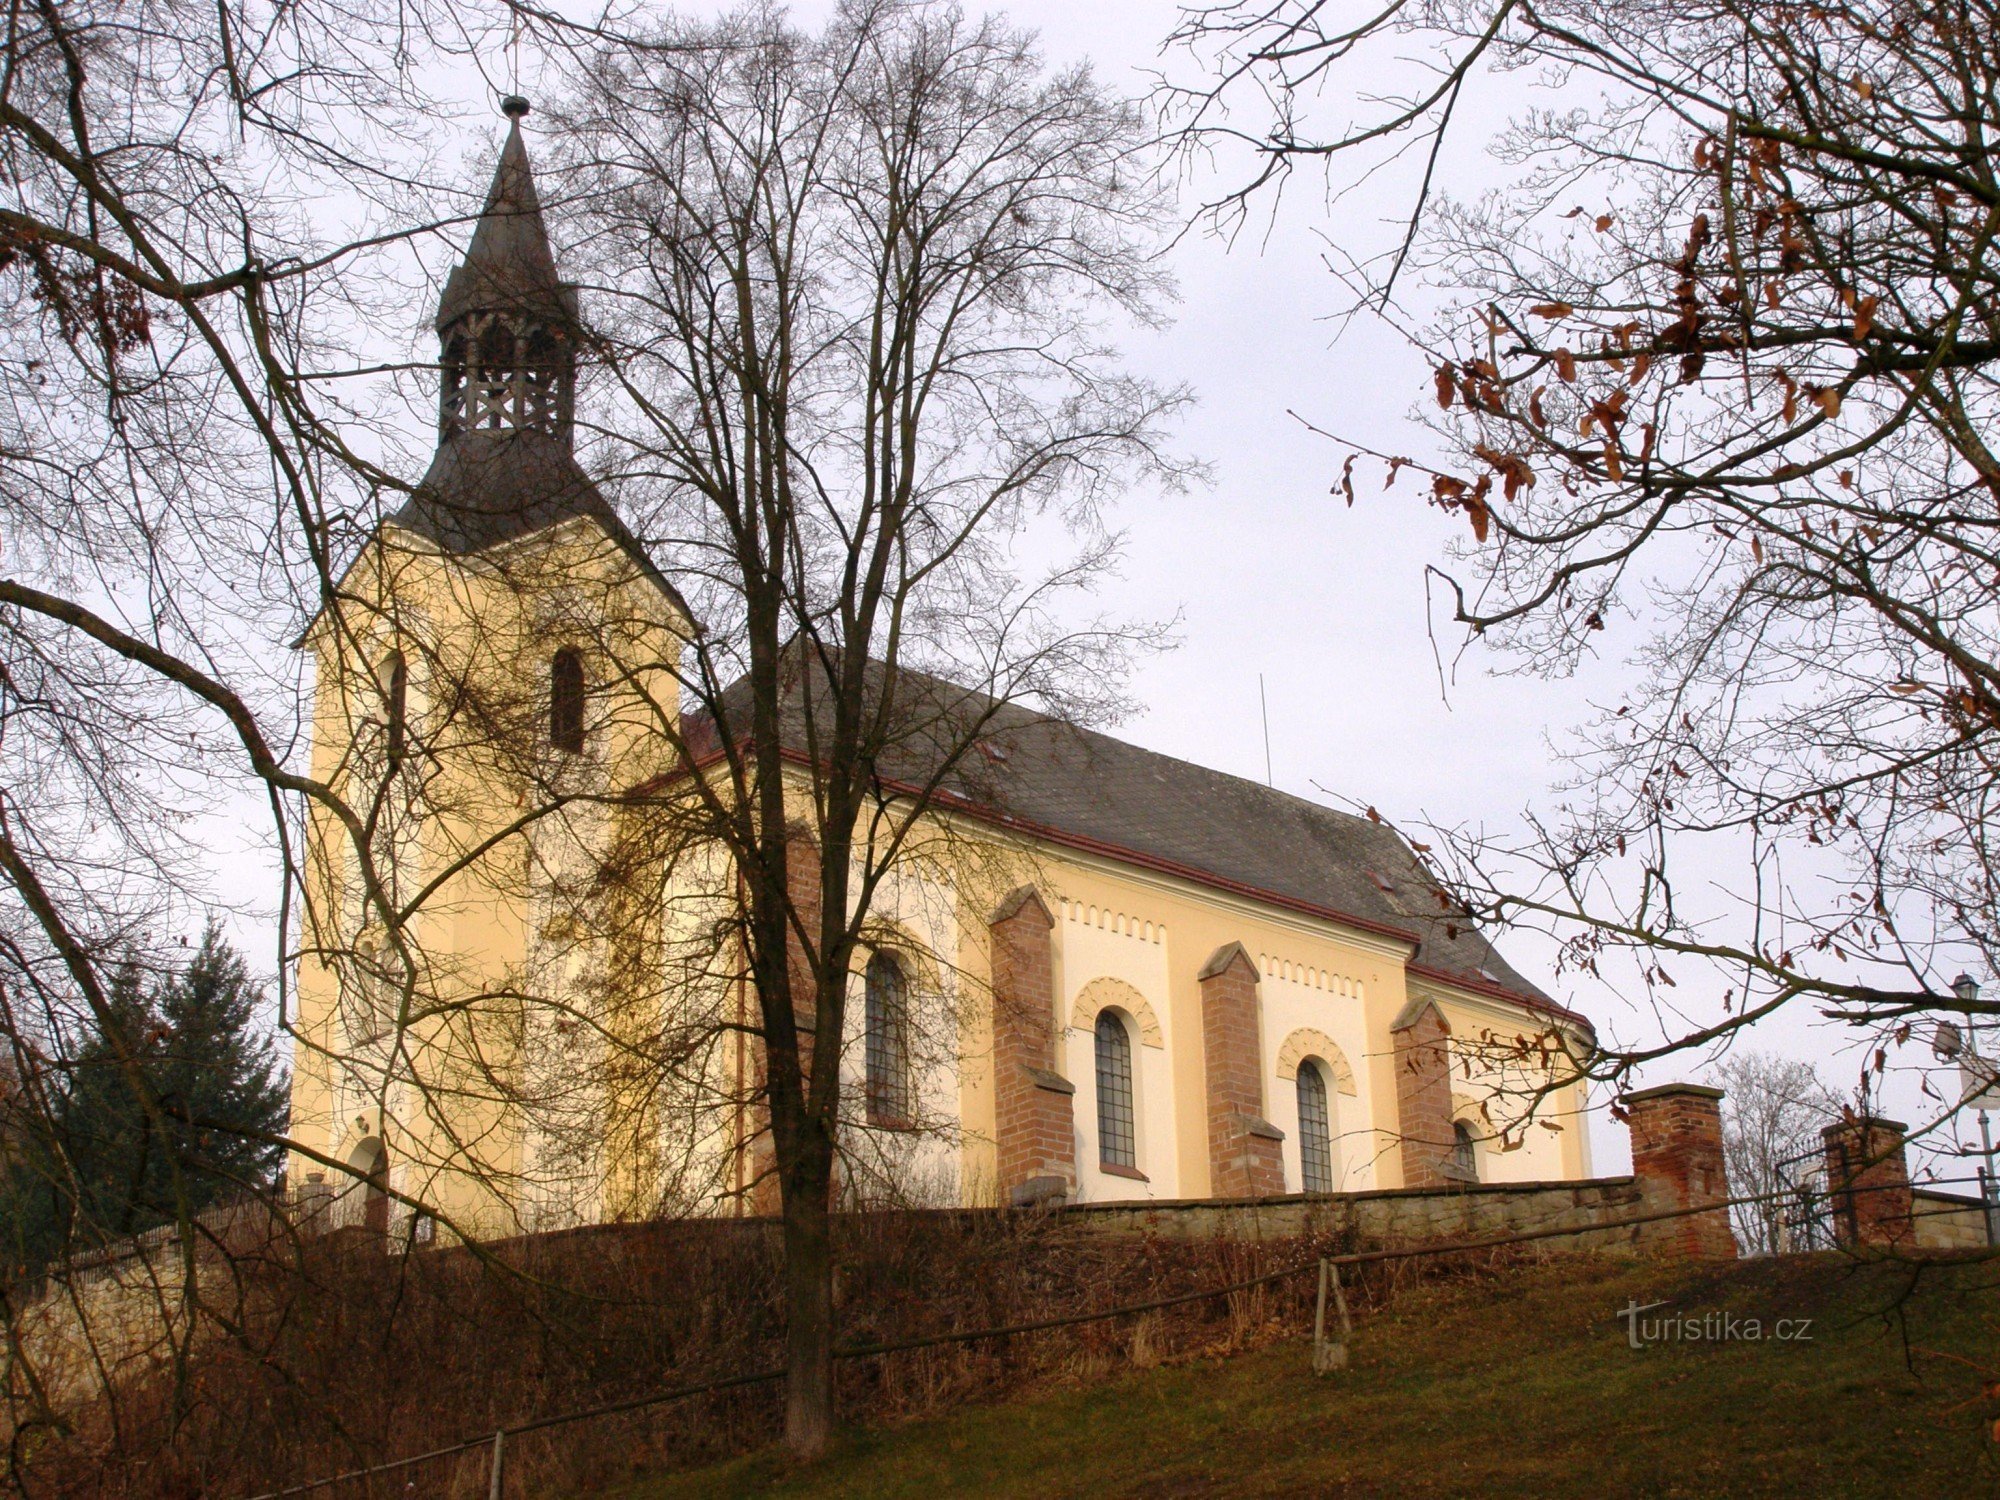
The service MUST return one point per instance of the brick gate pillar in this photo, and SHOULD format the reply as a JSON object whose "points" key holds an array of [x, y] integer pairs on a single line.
{"points": [[1868, 1180], [1244, 1149], [1677, 1161], [1033, 1102]]}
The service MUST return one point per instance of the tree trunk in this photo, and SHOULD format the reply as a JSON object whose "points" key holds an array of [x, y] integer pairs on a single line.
{"points": [[808, 1297]]}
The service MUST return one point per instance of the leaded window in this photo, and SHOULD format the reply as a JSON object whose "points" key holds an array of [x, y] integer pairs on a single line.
{"points": [[1315, 1130], [1117, 1143], [1464, 1152], [886, 1041], [566, 701]]}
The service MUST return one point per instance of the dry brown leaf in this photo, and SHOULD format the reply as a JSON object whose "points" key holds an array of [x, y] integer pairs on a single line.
{"points": [[1476, 509]]}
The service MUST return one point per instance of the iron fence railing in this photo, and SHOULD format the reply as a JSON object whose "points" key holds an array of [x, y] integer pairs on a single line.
{"points": [[1816, 1214], [1806, 1211]]}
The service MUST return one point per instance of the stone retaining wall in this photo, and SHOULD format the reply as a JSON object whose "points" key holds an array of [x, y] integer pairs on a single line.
{"points": [[1394, 1216]]}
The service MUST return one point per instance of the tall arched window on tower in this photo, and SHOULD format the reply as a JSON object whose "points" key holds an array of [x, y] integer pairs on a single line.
{"points": [[396, 690], [566, 701], [1117, 1137], [886, 1042], [1315, 1129]]}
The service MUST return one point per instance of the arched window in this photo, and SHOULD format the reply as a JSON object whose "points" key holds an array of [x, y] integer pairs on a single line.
{"points": [[566, 701], [886, 1042], [1315, 1129], [396, 690], [1464, 1152], [1117, 1144]]}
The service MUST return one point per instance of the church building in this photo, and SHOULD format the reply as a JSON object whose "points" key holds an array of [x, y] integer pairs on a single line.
{"points": [[1130, 978]]}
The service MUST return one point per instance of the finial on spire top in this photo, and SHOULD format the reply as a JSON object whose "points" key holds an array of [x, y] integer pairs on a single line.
{"points": [[514, 106]]}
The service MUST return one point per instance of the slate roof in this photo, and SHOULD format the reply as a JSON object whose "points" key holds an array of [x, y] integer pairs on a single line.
{"points": [[487, 488], [1100, 793], [509, 263]]}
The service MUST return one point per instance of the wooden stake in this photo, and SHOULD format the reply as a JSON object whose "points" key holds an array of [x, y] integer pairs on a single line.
{"points": [[1332, 1356]]}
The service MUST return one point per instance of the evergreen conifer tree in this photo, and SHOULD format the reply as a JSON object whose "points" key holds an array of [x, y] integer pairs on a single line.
{"points": [[217, 1077], [97, 1165]]}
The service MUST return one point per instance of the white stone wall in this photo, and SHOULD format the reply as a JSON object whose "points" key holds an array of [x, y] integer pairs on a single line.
{"points": [[1299, 997], [1093, 944]]}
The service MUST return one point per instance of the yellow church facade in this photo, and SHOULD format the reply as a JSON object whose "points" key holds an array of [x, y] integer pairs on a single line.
{"points": [[1098, 975]]}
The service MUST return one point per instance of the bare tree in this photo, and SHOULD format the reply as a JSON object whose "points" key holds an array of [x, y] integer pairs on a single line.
{"points": [[851, 286], [1711, 386], [185, 352], [1773, 1110], [847, 292]]}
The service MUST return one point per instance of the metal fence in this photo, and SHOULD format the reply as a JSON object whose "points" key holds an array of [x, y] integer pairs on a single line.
{"points": [[1813, 1215], [1806, 1216]]}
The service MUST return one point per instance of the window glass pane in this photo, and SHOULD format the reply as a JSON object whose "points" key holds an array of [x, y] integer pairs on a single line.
{"points": [[1464, 1153], [566, 702], [886, 1042], [1315, 1132], [1116, 1138]]}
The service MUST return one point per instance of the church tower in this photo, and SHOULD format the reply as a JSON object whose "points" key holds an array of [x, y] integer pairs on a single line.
{"points": [[492, 675]]}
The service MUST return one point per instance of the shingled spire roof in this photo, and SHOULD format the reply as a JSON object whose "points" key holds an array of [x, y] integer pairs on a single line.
{"points": [[509, 265]]}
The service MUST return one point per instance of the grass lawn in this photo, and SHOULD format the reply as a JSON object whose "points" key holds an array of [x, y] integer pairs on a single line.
{"points": [[1521, 1383]]}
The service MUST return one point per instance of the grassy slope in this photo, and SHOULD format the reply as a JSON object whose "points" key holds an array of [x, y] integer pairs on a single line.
{"points": [[1517, 1384]]}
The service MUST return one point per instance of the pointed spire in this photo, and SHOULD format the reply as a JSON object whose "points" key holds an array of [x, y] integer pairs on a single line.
{"points": [[509, 328], [509, 266]]}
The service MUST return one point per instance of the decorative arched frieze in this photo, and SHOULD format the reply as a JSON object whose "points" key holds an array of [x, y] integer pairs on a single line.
{"points": [[1308, 1042], [1093, 997], [1086, 914], [1473, 1112]]}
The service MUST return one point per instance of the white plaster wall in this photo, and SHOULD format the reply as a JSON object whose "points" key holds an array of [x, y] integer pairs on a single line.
{"points": [[1505, 1090], [1095, 942], [921, 1165], [701, 991], [1296, 995]]}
